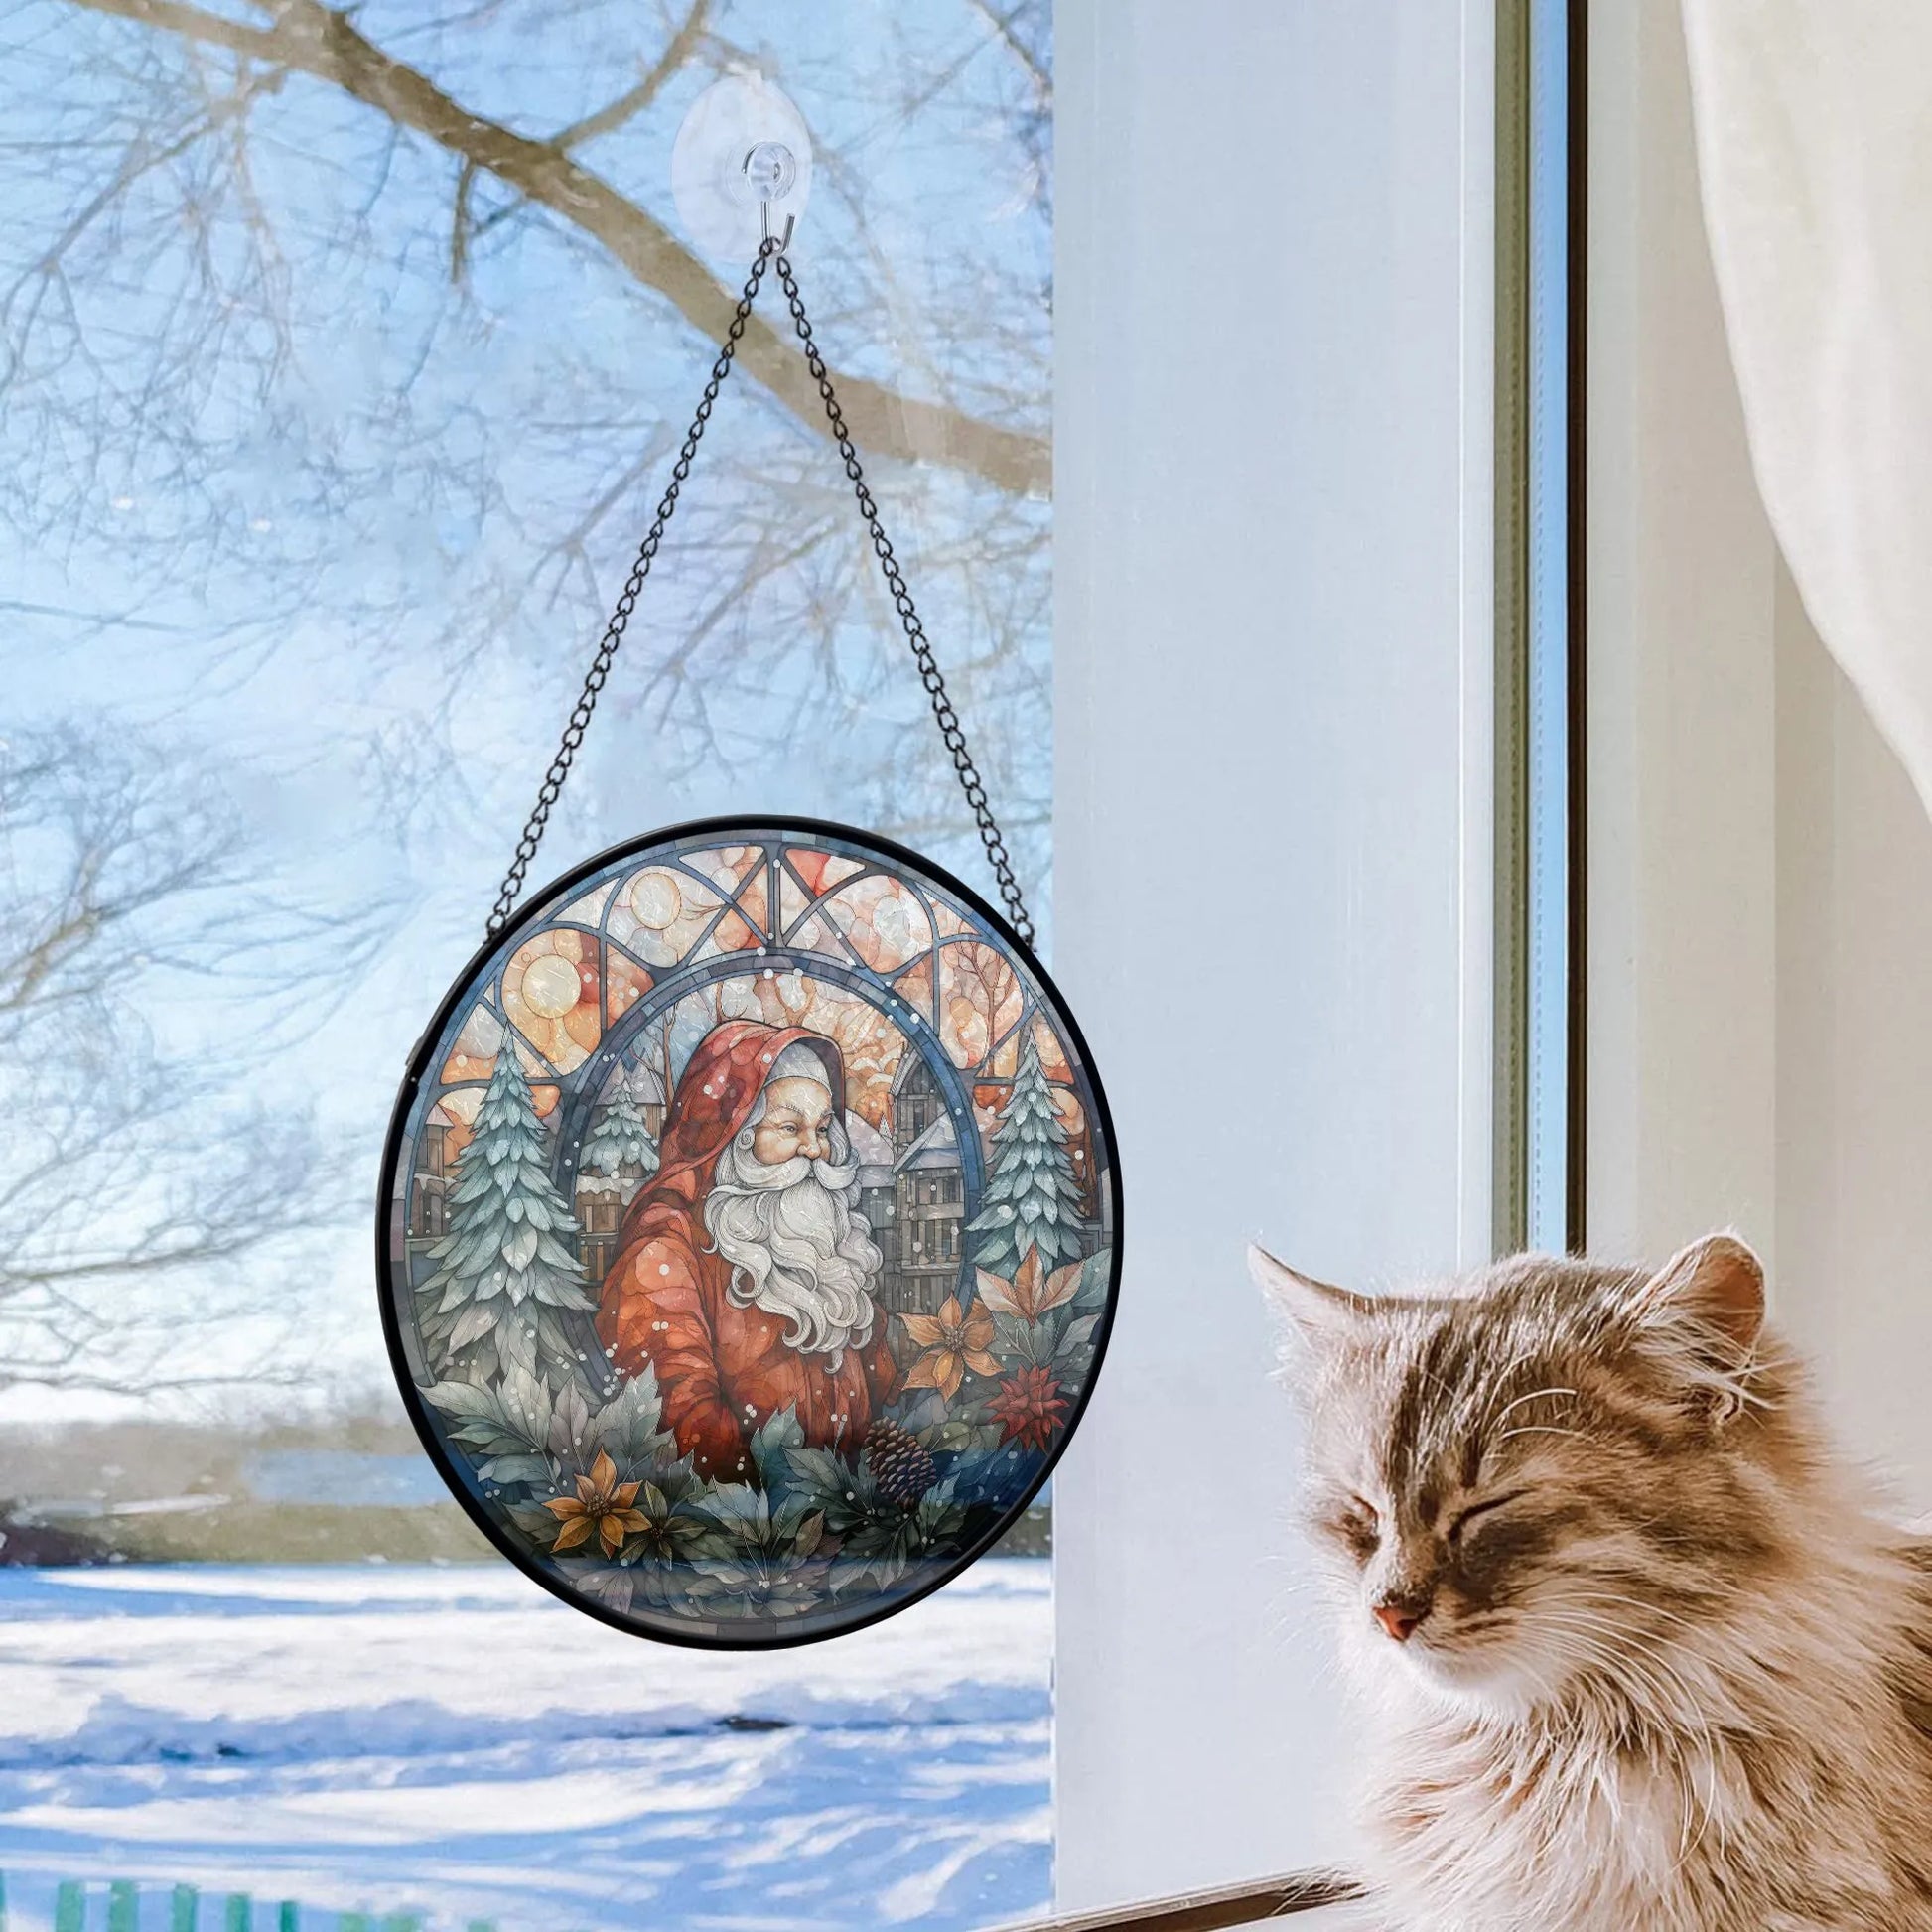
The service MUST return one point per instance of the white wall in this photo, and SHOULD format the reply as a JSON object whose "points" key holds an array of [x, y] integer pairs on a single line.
{"points": [[1760, 877], [1270, 835]]}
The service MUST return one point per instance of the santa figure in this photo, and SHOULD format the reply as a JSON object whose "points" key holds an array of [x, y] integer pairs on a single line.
{"points": [[745, 1271]]}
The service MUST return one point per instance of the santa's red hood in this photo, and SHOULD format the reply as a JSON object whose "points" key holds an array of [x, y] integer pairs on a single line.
{"points": [[715, 1097]]}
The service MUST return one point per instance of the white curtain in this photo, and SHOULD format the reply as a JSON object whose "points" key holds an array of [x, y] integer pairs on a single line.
{"points": [[1814, 128]]}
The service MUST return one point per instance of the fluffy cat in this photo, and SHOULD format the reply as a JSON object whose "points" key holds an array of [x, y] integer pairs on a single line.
{"points": [[1638, 1652]]}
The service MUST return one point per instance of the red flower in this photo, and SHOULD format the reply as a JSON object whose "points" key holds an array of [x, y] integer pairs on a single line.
{"points": [[1030, 1407]]}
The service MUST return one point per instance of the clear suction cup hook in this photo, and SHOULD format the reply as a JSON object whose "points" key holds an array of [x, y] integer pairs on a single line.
{"points": [[772, 172], [741, 168]]}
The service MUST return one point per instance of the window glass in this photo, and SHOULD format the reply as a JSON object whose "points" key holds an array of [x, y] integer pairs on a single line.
{"points": [[345, 356]]}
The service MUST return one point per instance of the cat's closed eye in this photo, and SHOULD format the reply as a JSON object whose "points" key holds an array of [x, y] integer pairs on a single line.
{"points": [[1477, 1511], [1359, 1525]]}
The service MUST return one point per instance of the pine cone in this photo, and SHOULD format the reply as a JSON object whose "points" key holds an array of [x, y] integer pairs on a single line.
{"points": [[900, 1466]]}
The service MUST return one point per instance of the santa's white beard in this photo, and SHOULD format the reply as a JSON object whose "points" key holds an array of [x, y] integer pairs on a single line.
{"points": [[796, 1249]]}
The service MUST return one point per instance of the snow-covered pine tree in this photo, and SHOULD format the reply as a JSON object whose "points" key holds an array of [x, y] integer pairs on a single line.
{"points": [[620, 1135], [504, 1273], [1032, 1199]]}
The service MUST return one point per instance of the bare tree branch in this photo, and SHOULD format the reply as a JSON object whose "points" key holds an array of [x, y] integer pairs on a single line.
{"points": [[607, 120], [136, 1195], [322, 41], [633, 101], [466, 179], [1002, 24]]}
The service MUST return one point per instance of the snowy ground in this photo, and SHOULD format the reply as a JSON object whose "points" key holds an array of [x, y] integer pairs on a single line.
{"points": [[451, 1742]]}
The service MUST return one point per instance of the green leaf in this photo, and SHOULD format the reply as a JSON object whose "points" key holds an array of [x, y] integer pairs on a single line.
{"points": [[771, 1444], [940, 1519], [850, 1576], [738, 1509], [462, 1399], [570, 1422], [525, 1406], [627, 1427], [1096, 1275], [1078, 1334], [819, 1472], [515, 1468], [534, 1520]]}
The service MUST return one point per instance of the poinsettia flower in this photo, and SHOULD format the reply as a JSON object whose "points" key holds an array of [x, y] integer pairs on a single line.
{"points": [[1030, 1407], [1027, 1295], [954, 1340], [601, 1507]]}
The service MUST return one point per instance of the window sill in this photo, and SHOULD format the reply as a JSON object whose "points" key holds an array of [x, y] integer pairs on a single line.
{"points": [[1225, 1909]]}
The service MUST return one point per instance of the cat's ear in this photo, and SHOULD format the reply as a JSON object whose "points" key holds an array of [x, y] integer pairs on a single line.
{"points": [[1717, 1283], [1703, 1309], [1319, 1317]]}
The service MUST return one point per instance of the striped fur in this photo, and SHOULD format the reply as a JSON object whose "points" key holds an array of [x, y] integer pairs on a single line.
{"points": [[1675, 1672]]}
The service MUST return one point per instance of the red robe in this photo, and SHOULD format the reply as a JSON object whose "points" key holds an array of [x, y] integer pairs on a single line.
{"points": [[723, 1369]]}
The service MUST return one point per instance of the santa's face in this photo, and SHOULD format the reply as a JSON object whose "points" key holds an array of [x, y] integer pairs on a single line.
{"points": [[796, 1123], [782, 1212]]}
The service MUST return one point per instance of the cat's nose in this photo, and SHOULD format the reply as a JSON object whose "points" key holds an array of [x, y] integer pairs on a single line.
{"points": [[1398, 1619]]}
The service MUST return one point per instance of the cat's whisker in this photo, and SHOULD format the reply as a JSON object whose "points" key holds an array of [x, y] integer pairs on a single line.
{"points": [[1579, 1617], [1536, 1429], [1600, 1619], [1648, 1608], [1535, 1395]]}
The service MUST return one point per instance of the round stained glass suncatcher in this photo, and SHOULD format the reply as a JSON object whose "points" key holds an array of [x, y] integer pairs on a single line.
{"points": [[750, 1232]]}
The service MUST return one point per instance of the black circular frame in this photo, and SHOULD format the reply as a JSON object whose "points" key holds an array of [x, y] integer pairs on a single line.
{"points": [[504, 943]]}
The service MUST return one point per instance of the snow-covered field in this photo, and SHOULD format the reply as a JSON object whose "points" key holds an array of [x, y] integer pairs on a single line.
{"points": [[448, 1741]]}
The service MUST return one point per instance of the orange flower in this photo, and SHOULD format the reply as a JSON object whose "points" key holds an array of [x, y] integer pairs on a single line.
{"points": [[602, 1505], [954, 1341], [1026, 1296]]}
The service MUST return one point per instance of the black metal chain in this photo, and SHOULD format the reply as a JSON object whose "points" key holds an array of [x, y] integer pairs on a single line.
{"points": [[930, 675], [580, 716], [947, 718]]}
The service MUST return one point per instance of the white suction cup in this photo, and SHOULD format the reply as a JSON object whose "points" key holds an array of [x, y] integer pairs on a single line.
{"points": [[743, 160]]}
